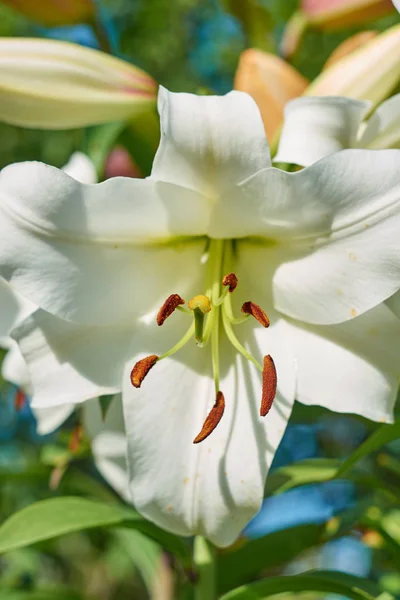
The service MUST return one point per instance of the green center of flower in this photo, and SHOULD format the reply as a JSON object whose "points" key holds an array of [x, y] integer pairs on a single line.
{"points": [[207, 312]]}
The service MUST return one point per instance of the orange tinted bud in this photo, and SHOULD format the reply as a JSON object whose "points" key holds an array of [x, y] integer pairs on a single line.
{"points": [[250, 308], [55, 12], [271, 82], [350, 45], [213, 418], [269, 382], [171, 303], [230, 280], [338, 14], [141, 369]]}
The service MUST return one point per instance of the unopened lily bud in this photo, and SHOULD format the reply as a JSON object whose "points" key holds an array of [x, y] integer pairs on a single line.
{"points": [[349, 45], [338, 14], [50, 84], [369, 73], [330, 15], [52, 13], [271, 82]]}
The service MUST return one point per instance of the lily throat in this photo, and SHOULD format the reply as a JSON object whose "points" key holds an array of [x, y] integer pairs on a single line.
{"points": [[211, 314]]}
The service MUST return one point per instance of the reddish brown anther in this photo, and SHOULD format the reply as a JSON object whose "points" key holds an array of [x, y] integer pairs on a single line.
{"points": [[171, 303], [141, 369], [213, 418], [269, 381], [250, 308], [231, 280]]}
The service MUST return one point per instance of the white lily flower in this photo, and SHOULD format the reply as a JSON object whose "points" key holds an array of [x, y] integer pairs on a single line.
{"points": [[311, 247], [396, 4]]}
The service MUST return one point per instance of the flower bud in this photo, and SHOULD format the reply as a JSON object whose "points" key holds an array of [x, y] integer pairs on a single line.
{"points": [[338, 14], [271, 82], [52, 13], [330, 15], [351, 44], [370, 73], [50, 84]]}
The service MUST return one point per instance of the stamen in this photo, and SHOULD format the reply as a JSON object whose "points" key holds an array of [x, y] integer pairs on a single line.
{"points": [[213, 418], [141, 368], [171, 303], [269, 381], [250, 308], [230, 280]]}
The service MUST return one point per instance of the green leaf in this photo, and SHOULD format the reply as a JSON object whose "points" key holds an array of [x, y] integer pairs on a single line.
{"points": [[382, 436], [313, 470], [56, 594], [53, 517], [145, 554], [237, 566], [313, 581]]}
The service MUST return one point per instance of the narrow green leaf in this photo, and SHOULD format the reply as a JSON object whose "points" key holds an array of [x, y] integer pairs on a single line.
{"points": [[235, 567], [313, 581], [382, 436], [312, 470], [56, 594], [53, 517]]}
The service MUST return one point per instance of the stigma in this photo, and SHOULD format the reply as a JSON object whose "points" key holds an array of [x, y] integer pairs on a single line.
{"points": [[208, 312]]}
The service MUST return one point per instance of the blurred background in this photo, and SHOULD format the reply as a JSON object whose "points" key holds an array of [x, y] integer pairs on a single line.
{"points": [[351, 525]]}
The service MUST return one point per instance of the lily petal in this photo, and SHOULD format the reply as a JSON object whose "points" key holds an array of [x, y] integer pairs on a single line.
{"points": [[172, 480], [352, 367], [13, 367], [73, 249], [339, 221], [14, 308], [209, 142], [70, 363], [109, 443], [316, 127], [383, 128], [50, 418], [81, 168]]}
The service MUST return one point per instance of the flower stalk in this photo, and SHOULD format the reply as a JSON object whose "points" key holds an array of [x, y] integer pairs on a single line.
{"points": [[204, 561]]}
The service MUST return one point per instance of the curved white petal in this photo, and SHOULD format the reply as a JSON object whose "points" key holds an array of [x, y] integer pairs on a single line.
{"points": [[215, 487], [13, 367], [13, 308], [70, 363], [332, 234], [316, 127], [84, 252], [352, 367], [81, 168], [394, 303], [109, 443], [50, 418], [209, 142], [396, 4], [383, 128]]}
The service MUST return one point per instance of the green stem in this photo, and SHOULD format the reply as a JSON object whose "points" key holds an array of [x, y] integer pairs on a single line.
{"points": [[204, 561]]}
